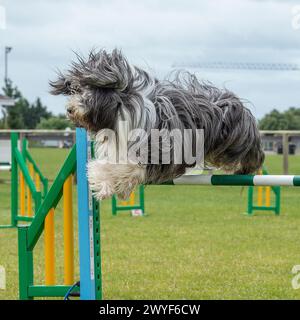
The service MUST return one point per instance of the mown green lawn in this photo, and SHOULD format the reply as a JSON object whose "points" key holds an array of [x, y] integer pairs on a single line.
{"points": [[194, 243]]}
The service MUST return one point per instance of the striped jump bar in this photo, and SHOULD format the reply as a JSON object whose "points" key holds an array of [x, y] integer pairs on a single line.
{"points": [[237, 180]]}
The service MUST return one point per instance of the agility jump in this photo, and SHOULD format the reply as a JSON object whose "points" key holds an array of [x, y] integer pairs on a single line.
{"points": [[90, 286], [136, 208], [264, 202], [32, 202]]}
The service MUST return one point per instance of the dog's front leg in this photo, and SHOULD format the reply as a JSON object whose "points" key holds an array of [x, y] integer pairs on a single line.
{"points": [[106, 179]]}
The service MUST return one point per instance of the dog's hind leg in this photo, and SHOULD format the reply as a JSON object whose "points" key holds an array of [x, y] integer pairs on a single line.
{"points": [[106, 179]]}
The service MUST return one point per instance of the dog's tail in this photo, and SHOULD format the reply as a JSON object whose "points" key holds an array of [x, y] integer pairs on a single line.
{"points": [[232, 138], [239, 142]]}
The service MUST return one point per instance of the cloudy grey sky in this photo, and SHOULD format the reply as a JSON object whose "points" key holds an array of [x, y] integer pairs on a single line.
{"points": [[154, 34]]}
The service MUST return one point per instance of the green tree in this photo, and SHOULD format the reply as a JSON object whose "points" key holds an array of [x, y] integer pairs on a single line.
{"points": [[22, 115], [12, 115], [11, 91], [35, 113], [59, 122], [292, 116], [3, 119], [286, 120]]}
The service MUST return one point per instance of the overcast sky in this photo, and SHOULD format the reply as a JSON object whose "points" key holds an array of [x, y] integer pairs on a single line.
{"points": [[154, 34]]}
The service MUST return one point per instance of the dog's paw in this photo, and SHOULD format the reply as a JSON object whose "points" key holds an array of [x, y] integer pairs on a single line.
{"points": [[99, 182], [102, 191]]}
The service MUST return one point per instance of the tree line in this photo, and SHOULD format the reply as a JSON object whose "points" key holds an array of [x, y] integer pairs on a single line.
{"points": [[276, 120]]}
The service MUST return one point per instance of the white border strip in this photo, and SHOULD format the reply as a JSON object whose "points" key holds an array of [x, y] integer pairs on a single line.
{"points": [[204, 179], [273, 180]]}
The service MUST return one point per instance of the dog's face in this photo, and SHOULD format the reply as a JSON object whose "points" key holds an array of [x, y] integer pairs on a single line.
{"points": [[99, 81], [83, 103]]}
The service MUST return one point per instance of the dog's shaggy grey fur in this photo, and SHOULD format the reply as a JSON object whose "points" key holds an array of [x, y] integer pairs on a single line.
{"points": [[105, 88]]}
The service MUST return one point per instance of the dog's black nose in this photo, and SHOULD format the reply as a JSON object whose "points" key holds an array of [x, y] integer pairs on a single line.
{"points": [[69, 109]]}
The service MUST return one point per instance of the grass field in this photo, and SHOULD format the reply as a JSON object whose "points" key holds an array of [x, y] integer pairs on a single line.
{"points": [[194, 243]]}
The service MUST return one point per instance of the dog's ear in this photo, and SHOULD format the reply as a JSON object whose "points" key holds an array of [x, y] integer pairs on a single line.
{"points": [[60, 86], [103, 70]]}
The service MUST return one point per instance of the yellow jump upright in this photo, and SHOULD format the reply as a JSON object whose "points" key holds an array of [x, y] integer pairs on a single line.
{"points": [[68, 239], [268, 196], [260, 196], [130, 201], [29, 197], [22, 195], [68, 232], [37, 182], [49, 249]]}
